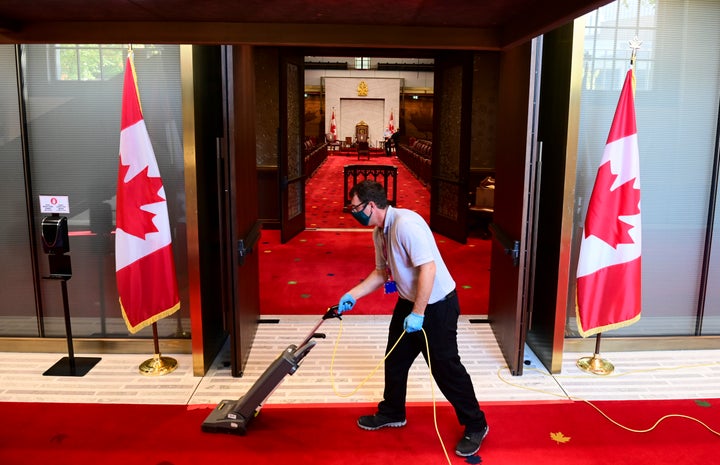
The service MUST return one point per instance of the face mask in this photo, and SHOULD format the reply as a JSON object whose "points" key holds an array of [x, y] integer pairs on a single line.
{"points": [[361, 217]]}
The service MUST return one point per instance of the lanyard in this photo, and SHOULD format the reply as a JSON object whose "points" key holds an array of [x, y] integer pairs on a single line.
{"points": [[390, 286]]}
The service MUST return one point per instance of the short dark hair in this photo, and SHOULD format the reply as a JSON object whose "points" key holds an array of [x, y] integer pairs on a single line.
{"points": [[370, 191]]}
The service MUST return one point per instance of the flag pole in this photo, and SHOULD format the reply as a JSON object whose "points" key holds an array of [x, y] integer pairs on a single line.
{"points": [[138, 296], [595, 364], [158, 365], [635, 44]]}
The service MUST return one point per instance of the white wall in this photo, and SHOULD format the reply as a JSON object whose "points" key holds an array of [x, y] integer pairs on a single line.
{"points": [[341, 95]]}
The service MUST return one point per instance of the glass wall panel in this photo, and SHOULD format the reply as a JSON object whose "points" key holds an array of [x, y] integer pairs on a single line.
{"points": [[711, 319], [73, 95], [17, 295], [678, 87]]}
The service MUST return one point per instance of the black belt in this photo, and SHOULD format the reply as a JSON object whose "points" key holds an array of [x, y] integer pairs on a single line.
{"points": [[450, 295]]}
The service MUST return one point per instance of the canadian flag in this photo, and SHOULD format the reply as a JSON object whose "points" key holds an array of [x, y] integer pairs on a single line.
{"points": [[391, 123], [333, 126], [144, 264], [609, 266]]}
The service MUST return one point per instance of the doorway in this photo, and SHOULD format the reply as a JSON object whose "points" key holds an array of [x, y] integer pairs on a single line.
{"points": [[414, 119]]}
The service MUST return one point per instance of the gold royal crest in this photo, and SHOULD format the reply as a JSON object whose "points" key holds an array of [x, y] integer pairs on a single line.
{"points": [[362, 89]]}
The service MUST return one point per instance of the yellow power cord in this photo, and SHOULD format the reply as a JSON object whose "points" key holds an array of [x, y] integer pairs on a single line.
{"points": [[607, 417], [569, 397], [374, 370]]}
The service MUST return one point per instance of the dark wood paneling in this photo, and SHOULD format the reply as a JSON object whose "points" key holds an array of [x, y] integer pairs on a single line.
{"points": [[269, 201], [451, 144], [486, 81], [416, 119], [315, 117]]}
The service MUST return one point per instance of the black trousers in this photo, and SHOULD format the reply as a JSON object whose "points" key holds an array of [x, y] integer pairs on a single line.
{"points": [[450, 375]]}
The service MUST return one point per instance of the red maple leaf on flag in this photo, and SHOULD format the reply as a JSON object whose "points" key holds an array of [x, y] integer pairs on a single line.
{"points": [[140, 190], [607, 206]]}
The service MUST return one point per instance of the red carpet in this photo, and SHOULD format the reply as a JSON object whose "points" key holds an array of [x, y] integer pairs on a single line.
{"points": [[80, 434], [310, 272]]}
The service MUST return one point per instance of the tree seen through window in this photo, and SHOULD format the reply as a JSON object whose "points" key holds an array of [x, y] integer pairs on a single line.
{"points": [[88, 62]]}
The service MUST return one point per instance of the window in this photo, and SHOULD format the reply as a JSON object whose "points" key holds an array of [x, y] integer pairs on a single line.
{"points": [[676, 106], [362, 63], [607, 53], [73, 132], [88, 62]]}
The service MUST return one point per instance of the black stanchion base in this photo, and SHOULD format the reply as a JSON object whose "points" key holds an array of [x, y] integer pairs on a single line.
{"points": [[78, 366]]}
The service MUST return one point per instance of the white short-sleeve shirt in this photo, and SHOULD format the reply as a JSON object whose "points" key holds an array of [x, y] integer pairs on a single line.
{"points": [[410, 243]]}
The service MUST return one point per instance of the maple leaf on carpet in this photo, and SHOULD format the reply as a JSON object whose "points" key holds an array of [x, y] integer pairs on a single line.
{"points": [[559, 437], [607, 206], [139, 191]]}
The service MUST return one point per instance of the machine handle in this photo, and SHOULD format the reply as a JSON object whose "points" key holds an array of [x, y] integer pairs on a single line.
{"points": [[332, 312]]}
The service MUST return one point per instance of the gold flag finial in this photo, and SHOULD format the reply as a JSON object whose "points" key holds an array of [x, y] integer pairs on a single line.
{"points": [[635, 44]]}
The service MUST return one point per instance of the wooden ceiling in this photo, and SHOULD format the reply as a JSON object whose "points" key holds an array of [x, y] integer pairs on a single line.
{"points": [[415, 24]]}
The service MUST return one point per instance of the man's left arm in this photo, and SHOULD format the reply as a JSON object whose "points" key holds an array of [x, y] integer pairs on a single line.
{"points": [[426, 278]]}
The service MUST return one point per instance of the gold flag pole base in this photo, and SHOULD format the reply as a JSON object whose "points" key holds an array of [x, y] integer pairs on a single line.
{"points": [[595, 365], [158, 366]]}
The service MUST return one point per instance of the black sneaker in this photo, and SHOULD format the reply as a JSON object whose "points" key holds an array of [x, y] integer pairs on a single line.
{"points": [[377, 421], [470, 443]]}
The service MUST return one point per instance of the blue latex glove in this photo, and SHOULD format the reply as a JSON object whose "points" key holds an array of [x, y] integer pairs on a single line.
{"points": [[413, 322], [347, 302]]}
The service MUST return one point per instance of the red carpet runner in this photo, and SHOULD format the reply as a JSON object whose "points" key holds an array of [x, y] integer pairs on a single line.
{"points": [[533, 434]]}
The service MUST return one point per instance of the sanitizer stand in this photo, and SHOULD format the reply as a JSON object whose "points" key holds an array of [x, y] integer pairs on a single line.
{"points": [[55, 244]]}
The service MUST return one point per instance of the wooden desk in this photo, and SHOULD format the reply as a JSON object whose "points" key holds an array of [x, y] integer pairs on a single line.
{"points": [[384, 174]]}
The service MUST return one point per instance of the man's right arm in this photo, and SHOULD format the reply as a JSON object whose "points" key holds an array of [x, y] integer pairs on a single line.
{"points": [[374, 280]]}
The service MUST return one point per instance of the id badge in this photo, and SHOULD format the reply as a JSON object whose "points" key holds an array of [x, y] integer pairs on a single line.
{"points": [[390, 287]]}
